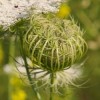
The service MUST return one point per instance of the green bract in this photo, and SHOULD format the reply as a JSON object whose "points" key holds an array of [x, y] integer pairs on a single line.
{"points": [[53, 43]]}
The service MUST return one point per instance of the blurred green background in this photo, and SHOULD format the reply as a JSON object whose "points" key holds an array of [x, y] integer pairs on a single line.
{"points": [[87, 14]]}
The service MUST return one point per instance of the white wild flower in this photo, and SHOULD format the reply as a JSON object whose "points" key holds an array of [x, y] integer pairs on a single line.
{"points": [[62, 78], [12, 10]]}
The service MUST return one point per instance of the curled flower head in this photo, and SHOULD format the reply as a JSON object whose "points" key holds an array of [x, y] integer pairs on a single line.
{"points": [[54, 44]]}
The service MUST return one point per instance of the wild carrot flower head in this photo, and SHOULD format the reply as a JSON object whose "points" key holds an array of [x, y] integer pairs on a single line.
{"points": [[54, 44], [12, 10]]}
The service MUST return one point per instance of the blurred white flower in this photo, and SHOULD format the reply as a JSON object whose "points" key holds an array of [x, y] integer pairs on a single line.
{"points": [[8, 69], [17, 67], [12, 10], [62, 78]]}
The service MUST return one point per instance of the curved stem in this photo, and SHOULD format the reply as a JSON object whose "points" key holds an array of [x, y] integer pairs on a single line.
{"points": [[51, 88], [27, 69]]}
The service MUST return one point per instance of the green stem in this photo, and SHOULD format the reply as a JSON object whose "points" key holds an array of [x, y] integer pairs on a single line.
{"points": [[27, 69], [9, 89], [51, 88], [12, 54]]}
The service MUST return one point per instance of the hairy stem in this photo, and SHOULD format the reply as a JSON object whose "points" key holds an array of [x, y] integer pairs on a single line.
{"points": [[27, 69], [51, 88]]}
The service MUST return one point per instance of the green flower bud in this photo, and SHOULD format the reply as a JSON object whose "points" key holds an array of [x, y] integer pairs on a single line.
{"points": [[53, 43]]}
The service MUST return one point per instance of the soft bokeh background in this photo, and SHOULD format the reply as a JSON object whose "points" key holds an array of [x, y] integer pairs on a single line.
{"points": [[87, 14]]}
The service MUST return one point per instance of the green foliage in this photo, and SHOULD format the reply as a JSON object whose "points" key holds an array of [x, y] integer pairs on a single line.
{"points": [[87, 12]]}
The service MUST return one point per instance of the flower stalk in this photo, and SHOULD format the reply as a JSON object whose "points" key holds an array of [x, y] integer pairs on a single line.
{"points": [[27, 69], [51, 88]]}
